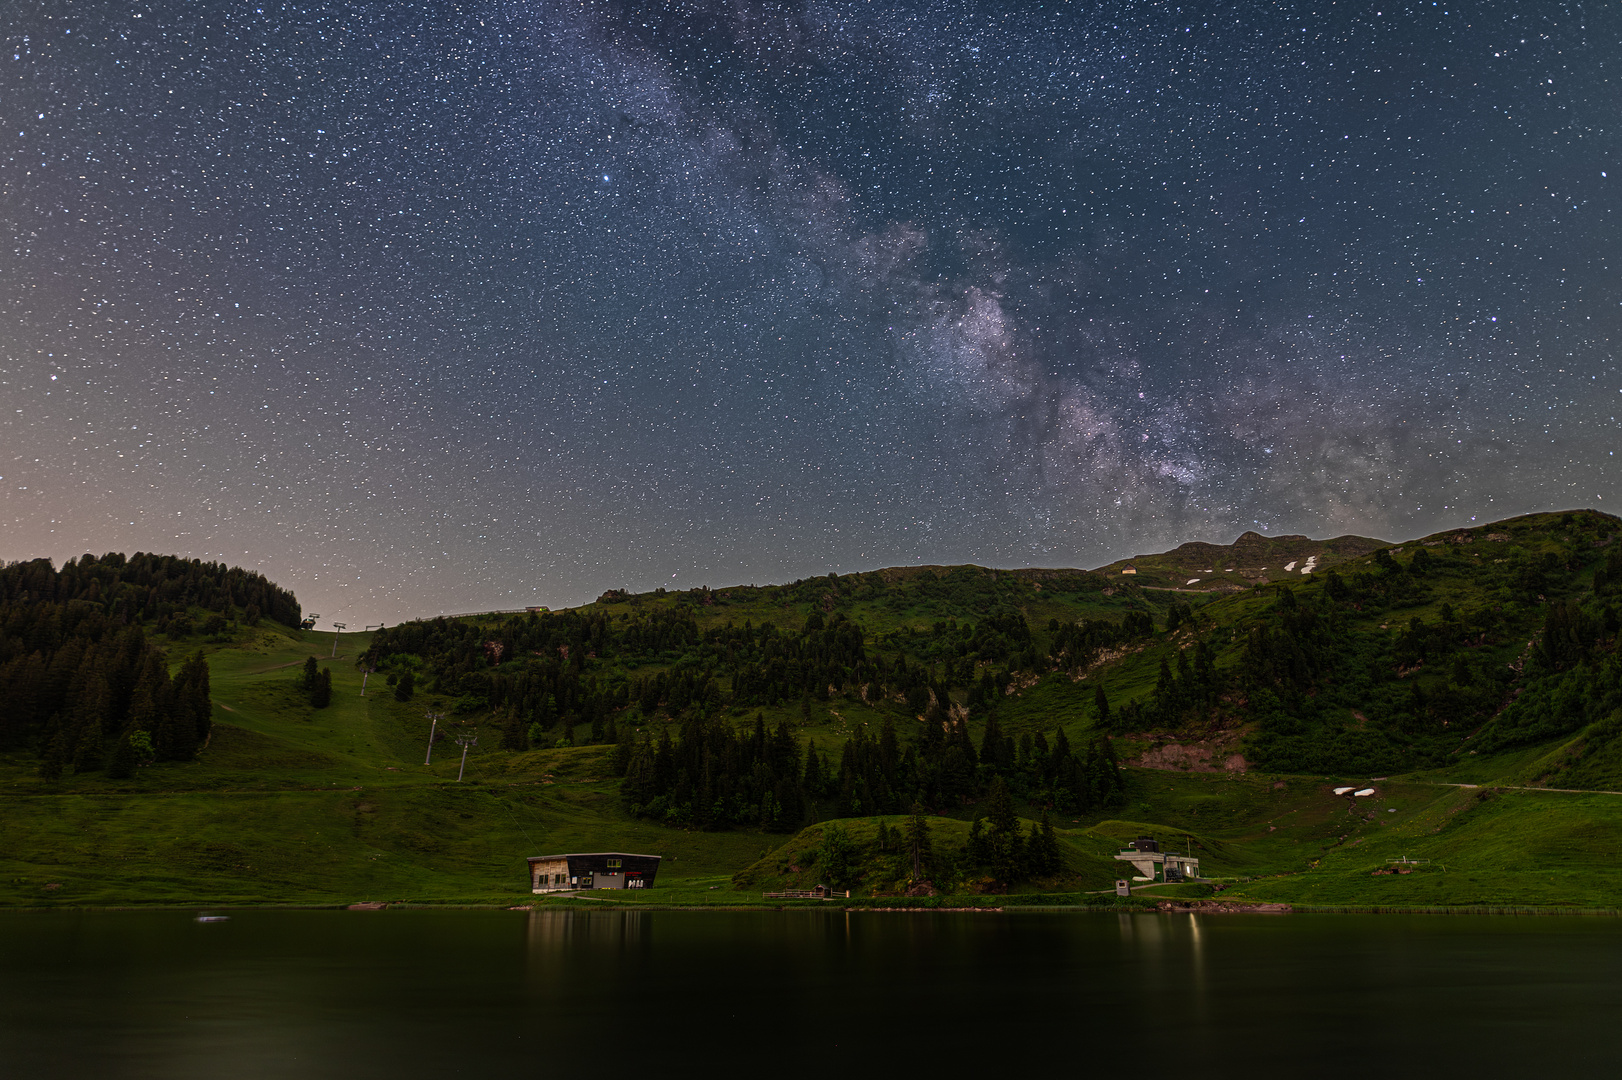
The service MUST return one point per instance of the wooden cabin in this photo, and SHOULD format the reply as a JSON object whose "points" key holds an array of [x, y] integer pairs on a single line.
{"points": [[595, 870]]}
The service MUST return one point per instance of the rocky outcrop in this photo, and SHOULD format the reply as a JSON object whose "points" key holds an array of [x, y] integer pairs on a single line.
{"points": [[1206, 757]]}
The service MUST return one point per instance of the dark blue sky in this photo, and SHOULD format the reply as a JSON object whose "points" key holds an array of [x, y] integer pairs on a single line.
{"points": [[458, 306]]}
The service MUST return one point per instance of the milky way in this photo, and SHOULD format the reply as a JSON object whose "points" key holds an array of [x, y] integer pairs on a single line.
{"points": [[469, 306]]}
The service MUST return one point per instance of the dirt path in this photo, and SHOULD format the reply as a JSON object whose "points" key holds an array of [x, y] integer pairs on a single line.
{"points": [[1515, 787], [277, 667]]}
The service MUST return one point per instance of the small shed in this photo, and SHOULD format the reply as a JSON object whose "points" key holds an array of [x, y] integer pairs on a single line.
{"points": [[1129, 569], [592, 870]]}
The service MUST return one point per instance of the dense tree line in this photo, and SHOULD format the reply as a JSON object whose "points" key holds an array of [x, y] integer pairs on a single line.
{"points": [[544, 672], [106, 700], [154, 590], [997, 844], [1414, 693], [999, 850], [1573, 679], [714, 776], [82, 679], [1078, 644]]}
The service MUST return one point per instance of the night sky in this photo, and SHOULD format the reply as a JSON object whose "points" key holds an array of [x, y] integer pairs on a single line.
{"points": [[449, 307]]}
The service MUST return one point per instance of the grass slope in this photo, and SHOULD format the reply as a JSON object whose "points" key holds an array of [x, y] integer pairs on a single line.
{"points": [[290, 804]]}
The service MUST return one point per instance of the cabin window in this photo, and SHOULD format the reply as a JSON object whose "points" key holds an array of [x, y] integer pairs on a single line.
{"points": [[614, 864]]}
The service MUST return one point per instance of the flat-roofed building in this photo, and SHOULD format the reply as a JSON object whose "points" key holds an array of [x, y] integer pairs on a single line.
{"points": [[594, 870], [1153, 864]]}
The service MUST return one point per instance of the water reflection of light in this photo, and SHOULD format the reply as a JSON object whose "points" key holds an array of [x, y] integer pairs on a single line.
{"points": [[1152, 934], [1197, 965], [553, 930]]}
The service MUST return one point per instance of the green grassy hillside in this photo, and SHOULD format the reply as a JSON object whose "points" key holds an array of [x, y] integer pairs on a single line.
{"points": [[1508, 632]]}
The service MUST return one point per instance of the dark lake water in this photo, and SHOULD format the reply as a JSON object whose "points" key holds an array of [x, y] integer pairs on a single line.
{"points": [[407, 994]]}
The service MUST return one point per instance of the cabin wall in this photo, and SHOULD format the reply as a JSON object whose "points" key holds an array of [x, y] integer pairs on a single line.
{"points": [[543, 875]]}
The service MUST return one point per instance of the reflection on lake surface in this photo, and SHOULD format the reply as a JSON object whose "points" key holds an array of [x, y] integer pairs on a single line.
{"points": [[409, 994]]}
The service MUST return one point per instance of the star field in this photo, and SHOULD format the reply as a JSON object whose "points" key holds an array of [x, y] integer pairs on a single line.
{"points": [[462, 306]]}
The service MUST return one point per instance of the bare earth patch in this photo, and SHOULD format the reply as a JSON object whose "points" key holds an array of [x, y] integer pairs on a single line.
{"points": [[1207, 757]]}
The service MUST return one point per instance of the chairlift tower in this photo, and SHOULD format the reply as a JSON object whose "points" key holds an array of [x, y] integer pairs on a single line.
{"points": [[365, 673], [338, 629], [436, 717], [465, 742]]}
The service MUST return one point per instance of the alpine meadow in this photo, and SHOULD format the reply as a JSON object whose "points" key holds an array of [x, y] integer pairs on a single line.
{"points": [[1340, 724]]}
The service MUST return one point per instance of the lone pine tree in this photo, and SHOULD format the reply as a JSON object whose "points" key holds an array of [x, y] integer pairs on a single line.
{"points": [[321, 692], [918, 843]]}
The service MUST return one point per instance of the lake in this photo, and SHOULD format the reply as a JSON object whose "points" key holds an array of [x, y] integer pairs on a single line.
{"points": [[549, 994]]}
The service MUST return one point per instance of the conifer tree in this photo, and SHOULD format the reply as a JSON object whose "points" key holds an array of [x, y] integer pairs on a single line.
{"points": [[815, 783], [192, 696], [836, 856], [513, 734], [919, 848], [783, 754], [1101, 708], [641, 781], [88, 707], [1032, 862], [23, 680], [121, 763], [889, 748], [1004, 839], [149, 699], [88, 751], [991, 744], [321, 692], [1109, 789], [978, 850], [1044, 848], [624, 749], [50, 766], [307, 679]]}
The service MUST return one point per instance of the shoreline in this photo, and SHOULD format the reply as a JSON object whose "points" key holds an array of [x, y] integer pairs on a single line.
{"points": [[1161, 907]]}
